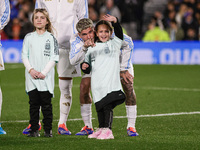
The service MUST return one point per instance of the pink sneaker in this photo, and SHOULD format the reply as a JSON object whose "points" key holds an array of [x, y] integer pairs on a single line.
{"points": [[106, 134], [95, 134]]}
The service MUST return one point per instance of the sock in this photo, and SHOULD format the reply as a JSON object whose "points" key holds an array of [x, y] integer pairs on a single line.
{"points": [[86, 114], [65, 100], [131, 112], [0, 101]]}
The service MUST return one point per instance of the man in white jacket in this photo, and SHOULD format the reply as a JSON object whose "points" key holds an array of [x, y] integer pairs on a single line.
{"points": [[4, 19], [79, 44], [64, 14]]}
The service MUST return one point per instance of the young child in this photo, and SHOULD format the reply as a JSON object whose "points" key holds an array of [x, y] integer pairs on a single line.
{"points": [[39, 55], [103, 62]]}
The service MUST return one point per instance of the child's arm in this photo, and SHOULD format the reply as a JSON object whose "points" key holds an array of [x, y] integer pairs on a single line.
{"points": [[115, 24], [46, 70], [34, 73], [85, 67]]}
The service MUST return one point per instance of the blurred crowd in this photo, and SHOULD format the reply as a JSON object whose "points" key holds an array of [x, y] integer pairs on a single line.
{"points": [[180, 20]]}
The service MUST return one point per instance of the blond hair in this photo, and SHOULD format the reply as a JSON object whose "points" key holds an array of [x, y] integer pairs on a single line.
{"points": [[84, 24], [48, 27]]}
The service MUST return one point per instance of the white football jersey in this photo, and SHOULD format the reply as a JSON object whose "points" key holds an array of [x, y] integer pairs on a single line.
{"points": [[64, 15]]}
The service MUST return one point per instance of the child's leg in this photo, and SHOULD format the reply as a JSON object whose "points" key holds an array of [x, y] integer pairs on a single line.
{"points": [[106, 132], [108, 116], [34, 101], [47, 110], [101, 118]]}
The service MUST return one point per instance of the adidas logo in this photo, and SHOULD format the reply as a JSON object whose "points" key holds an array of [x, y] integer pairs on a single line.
{"points": [[74, 72]]}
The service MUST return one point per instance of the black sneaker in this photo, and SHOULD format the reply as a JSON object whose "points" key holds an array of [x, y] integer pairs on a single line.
{"points": [[48, 133], [34, 134]]}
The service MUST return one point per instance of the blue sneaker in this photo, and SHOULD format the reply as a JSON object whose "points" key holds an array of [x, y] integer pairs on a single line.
{"points": [[132, 132], [62, 129], [1, 130], [85, 131], [28, 129]]}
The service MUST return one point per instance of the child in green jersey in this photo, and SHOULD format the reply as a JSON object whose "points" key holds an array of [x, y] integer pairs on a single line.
{"points": [[103, 62], [39, 55]]}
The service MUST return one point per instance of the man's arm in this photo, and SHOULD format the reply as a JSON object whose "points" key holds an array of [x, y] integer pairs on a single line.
{"points": [[125, 59], [77, 51], [4, 13], [126, 53]]}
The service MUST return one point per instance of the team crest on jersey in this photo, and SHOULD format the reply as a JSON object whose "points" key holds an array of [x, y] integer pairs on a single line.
{"points": [[47, 45], [106, 49], [70, 1]]}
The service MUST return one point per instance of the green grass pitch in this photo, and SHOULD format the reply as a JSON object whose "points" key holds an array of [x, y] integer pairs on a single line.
{"points": [[163, 93]]}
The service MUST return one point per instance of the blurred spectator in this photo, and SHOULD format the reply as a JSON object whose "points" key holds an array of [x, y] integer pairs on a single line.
{"points": [[155, 34], [176, 33], [132, 12], [110, 8], [15, 6], [3, 35], [28, 8], [191, 35], [25, 24], [158, 17], [93, 15], [20, 24], [189, 22], [129, 12], [182, 10], [95, 4], [171, 16], [170, 7], [16, 29]]}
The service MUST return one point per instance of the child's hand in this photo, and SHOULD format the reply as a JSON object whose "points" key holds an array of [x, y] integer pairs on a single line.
{"points": [[110, 18], [34, 74], [84, 66], [41, 76]]}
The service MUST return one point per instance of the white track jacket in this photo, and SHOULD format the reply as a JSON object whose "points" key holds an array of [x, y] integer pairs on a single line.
{"points": [[64, 15]]}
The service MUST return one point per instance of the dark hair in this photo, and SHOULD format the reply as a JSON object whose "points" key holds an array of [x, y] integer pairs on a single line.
{"points": [[103, 22]]}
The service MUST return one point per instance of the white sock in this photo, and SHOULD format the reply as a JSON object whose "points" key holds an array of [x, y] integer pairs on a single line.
{"points": [[86, 113], [65, 100], [131, 112], [0, 101]]}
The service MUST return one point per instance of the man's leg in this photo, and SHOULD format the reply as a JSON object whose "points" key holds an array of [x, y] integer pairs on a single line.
{"points": [[131, 107], [65, 99], [66, 72], [86, 106]]}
